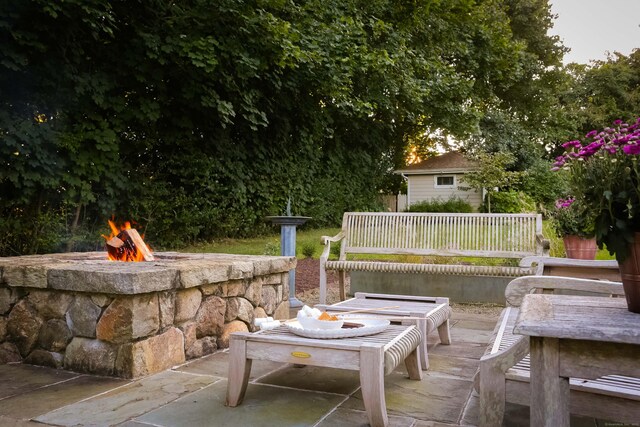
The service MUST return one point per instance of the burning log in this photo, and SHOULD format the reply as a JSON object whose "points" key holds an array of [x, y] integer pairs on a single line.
{"points": [[128, 246]]}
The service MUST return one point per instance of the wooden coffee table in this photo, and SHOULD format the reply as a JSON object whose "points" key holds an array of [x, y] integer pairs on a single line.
{"points": [[373, 356], [427, 313]]}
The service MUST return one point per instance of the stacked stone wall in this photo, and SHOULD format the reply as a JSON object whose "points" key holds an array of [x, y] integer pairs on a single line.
{"points": [[133, 335]]}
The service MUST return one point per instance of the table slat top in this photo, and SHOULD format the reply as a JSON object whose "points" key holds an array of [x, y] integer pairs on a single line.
{"points": [[283, 335], [404, 307], [578, 317]]}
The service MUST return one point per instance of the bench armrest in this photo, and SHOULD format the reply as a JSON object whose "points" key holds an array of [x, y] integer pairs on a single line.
{"points": [[543, 244], [326, 242], [518, 288]]}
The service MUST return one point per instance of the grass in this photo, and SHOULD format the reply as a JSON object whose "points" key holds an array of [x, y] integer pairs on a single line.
{"points": [[267, 245], [308, 241]]}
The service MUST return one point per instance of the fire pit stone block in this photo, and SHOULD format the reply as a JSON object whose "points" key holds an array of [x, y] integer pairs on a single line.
{"points": [[78, 311]]}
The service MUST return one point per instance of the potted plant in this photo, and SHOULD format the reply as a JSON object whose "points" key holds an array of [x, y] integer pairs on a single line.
{"points": [[574, 222], [605, 176]]}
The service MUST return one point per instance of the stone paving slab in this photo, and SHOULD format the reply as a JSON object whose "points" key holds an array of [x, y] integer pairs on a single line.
{"points": [[352, 418], [19, 379], [14, 422], [217, 364], [124, 403], [435, 397], [470, 350], [263, 406], [328, 380], [475, 336], [29, 405]]}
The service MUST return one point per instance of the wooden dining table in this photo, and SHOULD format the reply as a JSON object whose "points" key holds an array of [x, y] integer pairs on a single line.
{"points": [[575, 336]]}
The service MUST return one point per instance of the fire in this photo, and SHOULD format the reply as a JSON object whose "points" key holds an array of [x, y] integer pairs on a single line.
{"points": [[125, 244]]}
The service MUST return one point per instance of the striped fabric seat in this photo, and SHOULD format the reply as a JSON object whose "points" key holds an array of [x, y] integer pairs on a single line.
{"points": [[400, 349]]}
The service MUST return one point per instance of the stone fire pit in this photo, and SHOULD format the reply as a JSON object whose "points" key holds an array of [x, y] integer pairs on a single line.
{"points": [[80, 312]]}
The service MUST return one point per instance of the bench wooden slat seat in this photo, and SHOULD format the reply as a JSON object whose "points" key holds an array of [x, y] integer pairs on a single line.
{"points": [[504, 369], [452, 269], [514, 236]]}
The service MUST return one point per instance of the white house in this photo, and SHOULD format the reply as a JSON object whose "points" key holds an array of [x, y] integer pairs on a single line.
{"points": [[439, 177]]}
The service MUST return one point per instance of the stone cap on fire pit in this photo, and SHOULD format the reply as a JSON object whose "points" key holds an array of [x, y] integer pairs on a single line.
{"points": [[92, 272]]}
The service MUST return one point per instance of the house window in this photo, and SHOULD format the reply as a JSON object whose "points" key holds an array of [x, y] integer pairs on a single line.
{"points": [[445, 181]]}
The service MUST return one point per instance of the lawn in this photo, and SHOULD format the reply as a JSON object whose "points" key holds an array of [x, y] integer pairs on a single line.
{"points": [[308, 241]]}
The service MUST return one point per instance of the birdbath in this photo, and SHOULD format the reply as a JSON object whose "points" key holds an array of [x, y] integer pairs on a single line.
{"points": [[288, 226]]}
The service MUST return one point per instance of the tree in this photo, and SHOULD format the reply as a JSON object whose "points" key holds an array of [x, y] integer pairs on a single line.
{"points": [[492, 174], [200, 118]]}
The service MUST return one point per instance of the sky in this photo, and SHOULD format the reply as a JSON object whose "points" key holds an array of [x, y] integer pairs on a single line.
{"points": [[593, 27]]}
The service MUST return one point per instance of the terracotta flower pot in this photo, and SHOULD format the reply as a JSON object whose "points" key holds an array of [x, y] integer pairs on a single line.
{"points": [[578, 247], [630, 272]]}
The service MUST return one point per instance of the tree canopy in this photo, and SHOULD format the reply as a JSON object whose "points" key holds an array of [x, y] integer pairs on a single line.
{"points": [[199, 118]]}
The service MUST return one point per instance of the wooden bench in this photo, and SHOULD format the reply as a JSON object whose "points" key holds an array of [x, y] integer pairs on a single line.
{"points": [[576, 268], [427, 234], [503, 375]]}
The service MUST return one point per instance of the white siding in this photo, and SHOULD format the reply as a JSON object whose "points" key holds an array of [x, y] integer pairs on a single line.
{"points": [[422, 187]]}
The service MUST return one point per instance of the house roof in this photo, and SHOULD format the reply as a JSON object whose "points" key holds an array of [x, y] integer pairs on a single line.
{"points": [[451, 162]]}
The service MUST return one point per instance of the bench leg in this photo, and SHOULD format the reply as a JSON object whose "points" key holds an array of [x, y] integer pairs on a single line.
{"points": [[492, 395], [341, 279], [372, 384], [443, 331], [323, 283], [239, 370]]}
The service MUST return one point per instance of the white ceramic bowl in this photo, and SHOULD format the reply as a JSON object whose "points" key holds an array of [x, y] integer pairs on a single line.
{"points": [[312, 323]]}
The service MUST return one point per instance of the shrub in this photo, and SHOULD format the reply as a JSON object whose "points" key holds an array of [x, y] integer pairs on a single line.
{"points": [[510, 202], [272, 248], [335, 250], [308, 250], [453, 204]]}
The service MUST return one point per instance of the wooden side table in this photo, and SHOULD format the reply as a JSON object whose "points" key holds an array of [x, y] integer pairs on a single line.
{"points": [[432, 313], [373, 356], [572, 336]]}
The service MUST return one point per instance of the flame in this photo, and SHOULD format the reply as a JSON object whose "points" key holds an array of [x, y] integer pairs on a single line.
{"points": [[130, 252]]}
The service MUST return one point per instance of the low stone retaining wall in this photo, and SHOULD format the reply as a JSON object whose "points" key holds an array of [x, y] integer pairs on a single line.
{"points": [[81, 312]]}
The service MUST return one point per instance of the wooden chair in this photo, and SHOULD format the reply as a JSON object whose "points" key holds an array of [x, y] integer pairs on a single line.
{"points": [[504, 369]]}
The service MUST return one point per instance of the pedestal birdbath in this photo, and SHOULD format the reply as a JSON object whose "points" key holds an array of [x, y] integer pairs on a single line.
{"points": [[288, 224]]}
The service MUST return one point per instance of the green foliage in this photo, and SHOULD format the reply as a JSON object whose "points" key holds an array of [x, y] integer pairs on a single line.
{"points": [[492, 175], [573, 218], [309, 249], [453, 204], [543, 185], [271, 248], [198, 119], [509, 202], [335, 250]]}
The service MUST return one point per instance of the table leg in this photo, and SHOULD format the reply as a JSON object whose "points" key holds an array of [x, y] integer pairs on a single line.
{"points": [[239, 370], [424, 354], [372, 384], [412, 363], [549, 391], [444, 333]]}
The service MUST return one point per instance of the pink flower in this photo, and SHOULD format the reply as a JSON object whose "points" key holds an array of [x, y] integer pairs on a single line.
{"points": [[631, 149]]}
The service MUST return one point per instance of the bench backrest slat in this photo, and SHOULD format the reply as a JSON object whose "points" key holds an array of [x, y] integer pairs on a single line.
{"points": [[448, 234]]}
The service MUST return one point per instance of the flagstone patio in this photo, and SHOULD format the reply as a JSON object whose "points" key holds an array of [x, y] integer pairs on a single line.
{"points": [[193, 394]]}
